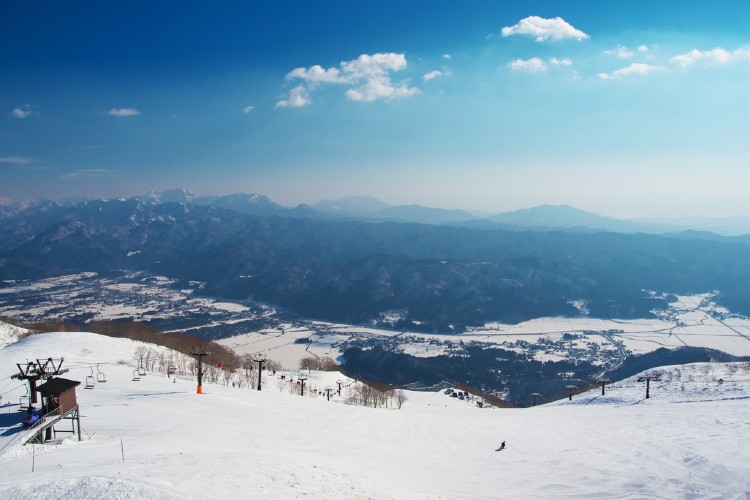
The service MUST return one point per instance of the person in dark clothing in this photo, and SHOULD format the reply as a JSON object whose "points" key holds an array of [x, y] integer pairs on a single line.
{"points": [[502, 446]]}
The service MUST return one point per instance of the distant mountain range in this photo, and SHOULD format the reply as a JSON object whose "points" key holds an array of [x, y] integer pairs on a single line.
{"points": [[432, 277], [543, 217]]}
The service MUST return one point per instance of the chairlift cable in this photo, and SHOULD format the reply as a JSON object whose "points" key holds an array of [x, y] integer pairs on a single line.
{"points": [[13, 389]]}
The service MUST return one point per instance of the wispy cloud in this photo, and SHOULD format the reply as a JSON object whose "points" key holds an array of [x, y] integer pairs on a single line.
{"points": [[621, 51], [717, 55], [16, 160], [434, 74], [22, 112], [632, 69], [544, 29], [368, 77], [537, 65], [88, 173], [123, 112], [447, 56], [247, 109], [560, 62]]}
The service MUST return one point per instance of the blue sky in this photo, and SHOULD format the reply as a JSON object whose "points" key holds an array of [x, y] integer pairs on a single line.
{"points": [[628, 109]]}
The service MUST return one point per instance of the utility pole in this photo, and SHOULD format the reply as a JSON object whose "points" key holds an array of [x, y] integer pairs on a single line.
{"points": [[198, 355], [302, 384], [648, 379], [260, 359]]}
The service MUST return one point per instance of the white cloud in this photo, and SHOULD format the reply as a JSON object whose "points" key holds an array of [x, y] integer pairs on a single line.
{"points": [[560, 62], [434, 74], [366, 66], [248, 109], [298, 97], [537, 65], [544, 29], [22, 112], [643, 49], [16, 160], [533, 65], [316, 74], [380, 88], [447, 56], [368, 76], [717, 55], [121, 112], [620, 51], [633, 69]]}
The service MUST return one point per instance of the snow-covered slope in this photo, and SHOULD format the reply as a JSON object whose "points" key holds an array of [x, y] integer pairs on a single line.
{"points": [[241, 443], [9, 333]]}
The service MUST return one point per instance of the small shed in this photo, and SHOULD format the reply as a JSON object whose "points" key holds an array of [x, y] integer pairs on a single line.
{"points": [[61, 393], [59, 396]]}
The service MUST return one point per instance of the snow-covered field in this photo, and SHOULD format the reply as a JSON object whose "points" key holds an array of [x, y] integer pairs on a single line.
{"points": [[691, 321], [688, 441], [249, 327]]}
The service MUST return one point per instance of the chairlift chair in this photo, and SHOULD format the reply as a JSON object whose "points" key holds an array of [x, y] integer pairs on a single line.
{"points": [[24, 401], [141, 371], [136, 376], [171, 369], [90, 379], [100, 377]]}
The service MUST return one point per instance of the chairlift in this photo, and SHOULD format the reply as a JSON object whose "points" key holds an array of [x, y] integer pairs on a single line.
{"points": [[171, 369], [24, 401], [90, 379], [136, 375], [141, 371], [100, 377]]}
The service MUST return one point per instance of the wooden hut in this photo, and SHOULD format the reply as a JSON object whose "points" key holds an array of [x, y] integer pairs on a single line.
{"points": [[60, 393], [59, 396]]}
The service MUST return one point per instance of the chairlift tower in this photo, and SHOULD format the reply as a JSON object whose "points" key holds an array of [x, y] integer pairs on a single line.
{"points": [[260, 358], [570, 389], [604, 381], [32, 372], [302, 379], [533, 397], [198, 355], [648, 379]]}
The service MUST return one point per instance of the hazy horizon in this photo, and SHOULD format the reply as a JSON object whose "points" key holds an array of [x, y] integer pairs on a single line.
{"points": [[629, 110]]}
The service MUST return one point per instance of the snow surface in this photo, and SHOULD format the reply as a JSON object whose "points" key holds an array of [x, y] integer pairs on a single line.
{"points": [[687, 441]]}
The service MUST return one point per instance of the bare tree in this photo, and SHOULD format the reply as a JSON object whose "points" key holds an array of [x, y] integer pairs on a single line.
{"points": [[273, 366], [248, 363], [309, 363], [401, 398], [328, 364]]}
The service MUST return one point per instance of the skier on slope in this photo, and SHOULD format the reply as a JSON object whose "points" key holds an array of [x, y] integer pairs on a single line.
{"points": [[502, 446]]}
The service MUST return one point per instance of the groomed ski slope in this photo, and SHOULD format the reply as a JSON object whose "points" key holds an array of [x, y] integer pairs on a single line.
{"points": [[688, 441]]}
